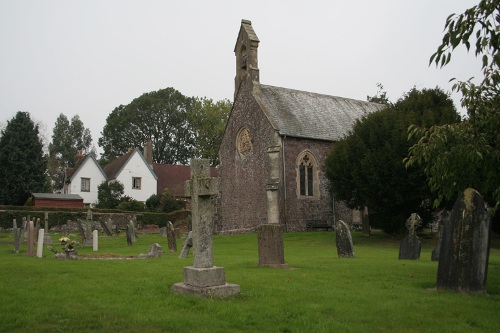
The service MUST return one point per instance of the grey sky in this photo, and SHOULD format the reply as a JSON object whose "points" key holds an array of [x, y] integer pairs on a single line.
{"points": [[86, 57]]}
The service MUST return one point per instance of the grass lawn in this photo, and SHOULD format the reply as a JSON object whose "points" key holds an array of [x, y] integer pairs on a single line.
{"points": [[373, 292]]}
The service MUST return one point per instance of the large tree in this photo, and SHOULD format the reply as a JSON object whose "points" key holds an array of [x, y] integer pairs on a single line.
{"points": [[208, 121], [68, 140], [23, 166], [365, 168], [455, 157], [161, 116]]}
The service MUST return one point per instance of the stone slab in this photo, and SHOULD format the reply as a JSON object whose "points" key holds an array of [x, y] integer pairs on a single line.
{"points": [[270, 245], [204, 277], [225, 290]]}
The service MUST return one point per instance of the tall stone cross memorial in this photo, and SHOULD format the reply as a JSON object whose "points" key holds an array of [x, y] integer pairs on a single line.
{"points": [[203, 278]]}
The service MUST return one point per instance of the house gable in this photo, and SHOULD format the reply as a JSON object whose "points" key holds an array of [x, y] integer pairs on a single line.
{"points": [[88, 169]]}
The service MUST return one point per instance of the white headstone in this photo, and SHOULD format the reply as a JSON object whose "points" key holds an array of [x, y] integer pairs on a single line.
{"points": [[39, 250], [95, 240]]}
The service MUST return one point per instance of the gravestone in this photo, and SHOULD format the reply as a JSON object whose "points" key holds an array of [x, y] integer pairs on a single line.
{"points": [[343, 238], [442, 216], [270, 235], [154, 252], [203, 279], [37, 228], [105, 227], [18, 234], [95, 240], [46, 238], [133, 234], [410, 245], [188, 244], [31, 239], [463, 257], [39, 250], [129, 235], [172, 242], [163, 231]]}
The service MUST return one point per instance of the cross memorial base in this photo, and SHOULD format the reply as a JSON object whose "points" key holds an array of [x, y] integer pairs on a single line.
{"points": [[206, 282]]}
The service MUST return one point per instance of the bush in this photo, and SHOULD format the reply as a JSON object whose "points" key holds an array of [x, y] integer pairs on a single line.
{"points": [[132, 205]]}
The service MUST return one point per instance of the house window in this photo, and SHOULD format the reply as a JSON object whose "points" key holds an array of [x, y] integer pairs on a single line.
{"points": [[307, 182], [136, 183], [85, 185]]}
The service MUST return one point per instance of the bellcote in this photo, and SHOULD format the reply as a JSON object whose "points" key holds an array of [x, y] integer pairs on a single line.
{"points": [[245, 51]]}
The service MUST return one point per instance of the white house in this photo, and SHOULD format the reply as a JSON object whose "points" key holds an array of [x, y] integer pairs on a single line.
{"points": [[84, 179], [133, 171]]}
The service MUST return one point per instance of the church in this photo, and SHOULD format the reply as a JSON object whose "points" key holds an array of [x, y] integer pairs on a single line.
{"points": [[273, 149]]}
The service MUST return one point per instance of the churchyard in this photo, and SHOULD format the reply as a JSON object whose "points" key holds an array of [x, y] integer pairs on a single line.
{"points": [[320, 292]]}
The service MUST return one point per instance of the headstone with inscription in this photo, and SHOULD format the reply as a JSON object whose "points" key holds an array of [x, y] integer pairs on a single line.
{"points": [[203, 279], [410, 245], [464, 252]]}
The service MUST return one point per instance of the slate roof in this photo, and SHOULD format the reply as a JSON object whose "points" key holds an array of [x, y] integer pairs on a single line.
{"points": [[309, 115]]}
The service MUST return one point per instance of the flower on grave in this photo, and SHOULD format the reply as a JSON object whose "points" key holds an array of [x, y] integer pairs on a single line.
{"points": [[64, 240]]}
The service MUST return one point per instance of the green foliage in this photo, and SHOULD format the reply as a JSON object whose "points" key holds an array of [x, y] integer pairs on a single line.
{"points": [[169, 203], [161, 116], [131, 205], [208, 120], [380, 97], [467, 154], [23, 166], [109, 194], [366, 169], [67, 139], [153, 203]]}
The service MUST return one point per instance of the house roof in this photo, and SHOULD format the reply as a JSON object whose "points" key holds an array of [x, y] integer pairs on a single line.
{"points": [[113, 168], [310, 115], [54, 196], [70, 172], [173, 177]]}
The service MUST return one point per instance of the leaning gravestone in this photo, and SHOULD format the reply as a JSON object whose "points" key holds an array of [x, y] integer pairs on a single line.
{"points": [[203, 279], [188, 244], [410, 245], [463, 257], [172, 242], [105, 227], [153, 252], [343, 238]]}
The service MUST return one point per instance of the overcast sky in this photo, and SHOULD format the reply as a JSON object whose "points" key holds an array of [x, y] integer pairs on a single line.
{"points": [[87, 57]]}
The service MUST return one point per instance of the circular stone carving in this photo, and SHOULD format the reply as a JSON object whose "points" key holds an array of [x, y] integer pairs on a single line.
{"points": [[244, 142]]}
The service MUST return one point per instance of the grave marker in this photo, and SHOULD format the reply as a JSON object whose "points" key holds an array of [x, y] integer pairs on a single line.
{"points": [[39, 250], [343, 239], [95, 244], [172, 242], [203, 279], [31, 239], [464, 252], [410, 245]]}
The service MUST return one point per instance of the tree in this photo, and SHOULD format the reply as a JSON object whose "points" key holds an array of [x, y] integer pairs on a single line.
{"points": [[208, 121], [380, 97], [467, 154], [365, 168], [109, 194], [161, 116], [23, 166], [68, 139]]}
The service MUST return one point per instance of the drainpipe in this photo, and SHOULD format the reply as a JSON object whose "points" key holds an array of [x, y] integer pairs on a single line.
{"points": [[284, 181]]}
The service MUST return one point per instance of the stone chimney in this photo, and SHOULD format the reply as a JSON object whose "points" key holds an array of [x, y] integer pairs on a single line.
{"points": [[148, 152]]}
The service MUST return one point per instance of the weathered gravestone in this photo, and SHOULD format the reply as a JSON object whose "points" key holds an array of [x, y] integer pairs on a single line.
{"points": [[129, 233], [133, 232], [188, 244], [46, 237], [343, 238], [31, 239], [18, 234], [95, 240], [154, 252], [163, 231], [270, 235], [106, 227], [463, 257], [203, 279], [85, 228], [172, 242], [410, 245]]}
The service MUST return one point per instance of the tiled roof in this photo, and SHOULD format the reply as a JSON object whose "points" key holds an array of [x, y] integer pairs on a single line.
{"points": [[309, 115], [112, 169], [173, 177]]}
